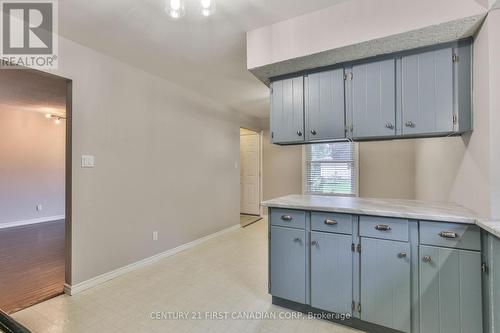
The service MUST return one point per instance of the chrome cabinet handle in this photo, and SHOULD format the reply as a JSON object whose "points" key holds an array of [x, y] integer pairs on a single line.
{"points": [[330, 222], [389, 126], [299, 133], [448, 234], [287, 218], [410, 124], [427, 258], [313, 132], [314, 243], [298, 240], [383, 227], [402, 255]]}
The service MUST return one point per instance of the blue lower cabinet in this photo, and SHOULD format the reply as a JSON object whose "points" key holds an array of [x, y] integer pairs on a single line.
{"points": [[288, 264], [450, 290], [491, 285], [331, 272], [386, 283]]}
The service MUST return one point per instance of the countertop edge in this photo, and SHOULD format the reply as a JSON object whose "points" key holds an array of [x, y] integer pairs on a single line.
{"points": [[411, 216]]}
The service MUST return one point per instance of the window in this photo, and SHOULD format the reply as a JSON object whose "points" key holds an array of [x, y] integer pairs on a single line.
{"points": [[331, 168]]}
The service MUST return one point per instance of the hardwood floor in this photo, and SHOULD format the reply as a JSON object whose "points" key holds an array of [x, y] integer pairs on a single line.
{"points": [[32, 260]]}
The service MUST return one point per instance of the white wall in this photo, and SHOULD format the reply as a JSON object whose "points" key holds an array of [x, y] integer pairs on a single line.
{"points": [[349, 23], [165, 161], [467, 169], [32, 155]]}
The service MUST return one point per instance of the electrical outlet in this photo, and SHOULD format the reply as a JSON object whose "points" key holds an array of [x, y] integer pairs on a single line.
{"points": [[155, 235], [39, 207]]}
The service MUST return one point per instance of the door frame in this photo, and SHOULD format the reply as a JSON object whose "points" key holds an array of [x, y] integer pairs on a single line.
{"points": [[68, 229], [260, 133]]}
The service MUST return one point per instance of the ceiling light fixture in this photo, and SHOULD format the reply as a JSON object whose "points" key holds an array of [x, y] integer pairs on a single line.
{"points": [[57, 118], [207, 7], [175, 8]]}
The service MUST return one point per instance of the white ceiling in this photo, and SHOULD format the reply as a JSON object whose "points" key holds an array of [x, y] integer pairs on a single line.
{"points": [[207, 55]]}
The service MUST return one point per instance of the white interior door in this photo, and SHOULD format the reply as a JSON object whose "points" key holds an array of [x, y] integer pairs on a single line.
{"points": [[249, 174]]}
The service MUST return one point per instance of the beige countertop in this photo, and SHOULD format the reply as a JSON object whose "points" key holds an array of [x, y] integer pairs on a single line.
{"points": [[410, 209]]}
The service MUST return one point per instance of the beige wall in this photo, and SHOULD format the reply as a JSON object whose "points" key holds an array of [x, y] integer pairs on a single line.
{"points": [[165, 161], [387, 169], [32, 162], [493, 21], [282, 169]]}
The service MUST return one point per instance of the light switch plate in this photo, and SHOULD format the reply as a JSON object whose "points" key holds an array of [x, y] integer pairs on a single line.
{"points": [[88, 161]]}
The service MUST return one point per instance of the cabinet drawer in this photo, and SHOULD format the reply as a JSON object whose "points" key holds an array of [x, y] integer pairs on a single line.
{"points": [[288, 218], [383, 228], [454, 235], [331, 222]]}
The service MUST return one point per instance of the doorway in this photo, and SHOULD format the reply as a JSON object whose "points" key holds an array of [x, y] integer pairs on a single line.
{"points": [[250, 176], [35, 168]]}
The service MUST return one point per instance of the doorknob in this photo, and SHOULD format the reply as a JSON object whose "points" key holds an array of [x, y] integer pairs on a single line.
{"points": [[299, 133], [313, 132], [410, 124], [427, 258], [314, 243], [389, 126], [402, 255]]}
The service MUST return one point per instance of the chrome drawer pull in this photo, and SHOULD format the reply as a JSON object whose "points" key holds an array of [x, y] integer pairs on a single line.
{"points": [[330, 222], [383, 227], [287, 218], [427, 258], [314, 243], [448, 234]]}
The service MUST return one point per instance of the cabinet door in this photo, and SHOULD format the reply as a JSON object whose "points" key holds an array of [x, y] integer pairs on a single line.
{"points": [[427, 92], [450, 290], [288, 264], [287, 110], [331, 272], [325, 106], [374, 99], [385, 283]]}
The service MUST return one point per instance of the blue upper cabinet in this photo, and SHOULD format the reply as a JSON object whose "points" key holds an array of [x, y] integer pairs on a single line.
{"points": [[419, 93], [287, 111], [436, 92], [374, 100], [325, 106], [427, 92]]}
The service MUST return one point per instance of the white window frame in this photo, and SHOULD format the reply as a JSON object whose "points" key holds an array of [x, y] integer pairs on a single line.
{"points": [[356, 172]]}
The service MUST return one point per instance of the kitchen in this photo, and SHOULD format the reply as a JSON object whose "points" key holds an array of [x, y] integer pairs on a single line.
{"points": [[425, 265]]}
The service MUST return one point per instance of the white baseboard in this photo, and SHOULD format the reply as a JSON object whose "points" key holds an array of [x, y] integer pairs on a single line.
{"points": [[31, 221], [79, 287]]}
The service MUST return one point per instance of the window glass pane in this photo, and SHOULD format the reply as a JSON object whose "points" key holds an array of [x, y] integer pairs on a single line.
{"points": [[331, 168]]}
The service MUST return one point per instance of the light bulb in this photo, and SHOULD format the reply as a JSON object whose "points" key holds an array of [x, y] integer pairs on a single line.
{"points": [[207, 7], [58, 121], [48, 115], [175, 8]]}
